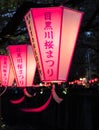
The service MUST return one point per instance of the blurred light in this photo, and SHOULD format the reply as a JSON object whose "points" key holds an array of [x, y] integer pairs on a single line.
{"points": [[41, 84], [65, 91], [41, 92], [82, 9], [88, 33]]}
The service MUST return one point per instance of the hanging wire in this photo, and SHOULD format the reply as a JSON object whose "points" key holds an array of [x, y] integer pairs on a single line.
{"points": [[3, 91]]}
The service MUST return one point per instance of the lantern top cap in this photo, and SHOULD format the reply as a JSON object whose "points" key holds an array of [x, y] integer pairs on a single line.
{"points": [[57, 7]]}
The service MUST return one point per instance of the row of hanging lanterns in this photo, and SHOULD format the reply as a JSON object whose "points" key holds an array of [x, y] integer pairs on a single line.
{"points": [[19, 65], [53, 34]]}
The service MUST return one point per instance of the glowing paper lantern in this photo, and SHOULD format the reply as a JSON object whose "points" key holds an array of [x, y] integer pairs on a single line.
{"points": [[6, 73], [11, 76], [53, 33], [24, 64]]}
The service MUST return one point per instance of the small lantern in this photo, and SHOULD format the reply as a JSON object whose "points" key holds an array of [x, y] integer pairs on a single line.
{"points": [[24, 64], [53, 33], [6, 72]]}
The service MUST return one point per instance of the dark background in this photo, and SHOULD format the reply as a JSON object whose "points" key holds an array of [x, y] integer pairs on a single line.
{"points": [[78, 111], [80, 108]]}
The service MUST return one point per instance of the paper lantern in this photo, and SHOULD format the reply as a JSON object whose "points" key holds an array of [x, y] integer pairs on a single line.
{"points": [[24, 64], [6, 73], [53, 33]]}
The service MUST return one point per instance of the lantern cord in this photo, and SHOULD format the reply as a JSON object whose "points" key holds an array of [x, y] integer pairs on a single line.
{"points": [[18, 101], [3, 91], [38, 109], [28, 94], [55, 96], [41, 85]]}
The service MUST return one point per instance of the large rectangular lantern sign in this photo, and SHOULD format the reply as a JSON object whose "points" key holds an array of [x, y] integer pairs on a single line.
{"points": [[53, 33]]}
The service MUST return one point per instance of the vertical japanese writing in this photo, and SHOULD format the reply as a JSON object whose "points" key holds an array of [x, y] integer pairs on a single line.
{"points": [[30, 30], [19, 64], [48, 43], [4, 70]]}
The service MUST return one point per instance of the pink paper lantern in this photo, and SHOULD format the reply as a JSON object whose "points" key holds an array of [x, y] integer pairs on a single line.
{"points": [[53, 33], [24, 64], [6, 72]]}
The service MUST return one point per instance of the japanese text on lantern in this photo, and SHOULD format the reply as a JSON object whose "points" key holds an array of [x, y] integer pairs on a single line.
{"points": [[30, 29], [48, 43], [19, 66], [4, 71]]}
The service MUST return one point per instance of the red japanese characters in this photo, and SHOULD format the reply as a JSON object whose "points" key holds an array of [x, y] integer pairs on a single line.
{"points": [[24, 64], [6, 72], [53, 33]]}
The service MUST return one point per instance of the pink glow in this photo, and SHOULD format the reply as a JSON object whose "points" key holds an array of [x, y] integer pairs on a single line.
{"points": [[44, 35], [39, 109], [18, 101], [17, 54], [55, 96], [27, 93], [5, 68], [24, 64], [0, 73], [53, 33], [33, 39], [31, 66], [70, 28], [6, 72], [11, 76]]}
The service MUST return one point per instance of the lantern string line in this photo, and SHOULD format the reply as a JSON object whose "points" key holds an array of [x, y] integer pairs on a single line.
{"points": [[55, 96], [41, 84], [38, 109], [26, 93], [3, 91], [18, 101], [84, 82]]}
